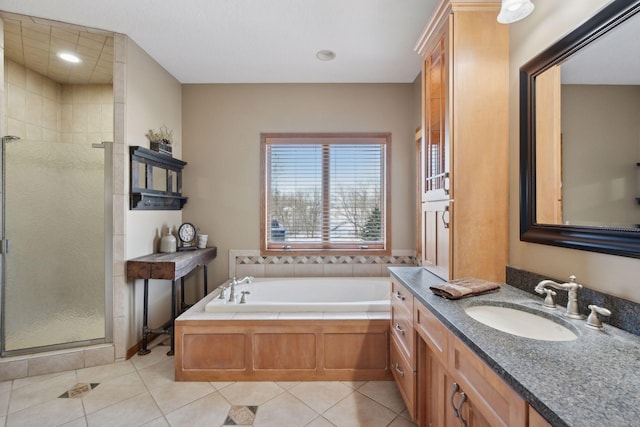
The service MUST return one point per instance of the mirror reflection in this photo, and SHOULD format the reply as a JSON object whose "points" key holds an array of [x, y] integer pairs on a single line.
{"points": [[587, 134]]}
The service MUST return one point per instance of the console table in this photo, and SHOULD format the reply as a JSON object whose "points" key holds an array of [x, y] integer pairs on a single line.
{"points": [[167, 266]]}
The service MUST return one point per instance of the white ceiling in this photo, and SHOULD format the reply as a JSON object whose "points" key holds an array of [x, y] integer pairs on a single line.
{"points": [[259, 41]]}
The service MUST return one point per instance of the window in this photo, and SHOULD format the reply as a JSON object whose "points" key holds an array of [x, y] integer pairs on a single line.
{"points": [[325, 193]]}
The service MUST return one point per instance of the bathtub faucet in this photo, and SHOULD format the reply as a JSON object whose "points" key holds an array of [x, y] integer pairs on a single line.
{"points": [[234, 282]]}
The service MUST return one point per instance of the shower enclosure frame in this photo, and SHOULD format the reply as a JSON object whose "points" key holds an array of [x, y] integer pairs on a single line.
{"points": [[107, 146]]}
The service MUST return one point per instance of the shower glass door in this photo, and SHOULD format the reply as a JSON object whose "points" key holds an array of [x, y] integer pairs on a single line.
{"points": [[53, 293]]}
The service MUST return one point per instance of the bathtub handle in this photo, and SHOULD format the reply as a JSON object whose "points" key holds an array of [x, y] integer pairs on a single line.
{"points": [[399, 329], [222, 289], [399, 295], [243, 300], [398, 370]]}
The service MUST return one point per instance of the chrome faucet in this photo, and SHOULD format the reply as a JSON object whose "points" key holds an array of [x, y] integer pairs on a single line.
{"points": [[571, 287], [234, 282]]}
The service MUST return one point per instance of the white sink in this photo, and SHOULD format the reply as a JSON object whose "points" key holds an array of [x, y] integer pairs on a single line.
{"points": [[522, 323]]}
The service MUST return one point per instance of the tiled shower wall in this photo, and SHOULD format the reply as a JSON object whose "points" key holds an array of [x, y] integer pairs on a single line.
{"points": [[251, 263], [39, 109]]}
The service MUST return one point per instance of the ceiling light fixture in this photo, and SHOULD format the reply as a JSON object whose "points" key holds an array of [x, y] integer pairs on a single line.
{"points": [[325, 55], [69, 57], [514, 10]]}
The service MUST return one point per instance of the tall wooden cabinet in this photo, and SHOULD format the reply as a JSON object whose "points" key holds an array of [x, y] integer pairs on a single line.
{"points": [[464, 167]]}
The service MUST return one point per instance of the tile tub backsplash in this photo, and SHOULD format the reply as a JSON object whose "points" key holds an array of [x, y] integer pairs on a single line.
{"points": [[251, 263]]}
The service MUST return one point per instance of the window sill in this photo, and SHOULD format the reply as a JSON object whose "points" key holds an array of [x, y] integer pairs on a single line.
{"points": [[325, 252]]}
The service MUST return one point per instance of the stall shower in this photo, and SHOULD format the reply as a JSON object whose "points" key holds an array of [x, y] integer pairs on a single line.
{"points": [[56, 192], [54, 252]]}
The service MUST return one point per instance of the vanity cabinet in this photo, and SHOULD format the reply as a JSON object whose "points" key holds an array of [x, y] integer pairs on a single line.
{"points": [[458, 387], [491, 401], [451, 385], [464, 168]]}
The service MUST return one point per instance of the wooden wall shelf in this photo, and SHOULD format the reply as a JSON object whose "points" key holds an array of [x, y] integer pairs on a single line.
{"points": [[156, 180]]}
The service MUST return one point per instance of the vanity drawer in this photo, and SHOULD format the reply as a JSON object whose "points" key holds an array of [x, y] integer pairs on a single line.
{"points": [[402, 331], [404, 375], [434, 333], [401, 298]]}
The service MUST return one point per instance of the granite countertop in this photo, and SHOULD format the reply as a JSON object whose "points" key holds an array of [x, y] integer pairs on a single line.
{"points": [[591, 381]]}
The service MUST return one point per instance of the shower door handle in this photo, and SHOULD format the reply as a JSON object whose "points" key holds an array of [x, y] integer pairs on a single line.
{"points": [[4, 246]]}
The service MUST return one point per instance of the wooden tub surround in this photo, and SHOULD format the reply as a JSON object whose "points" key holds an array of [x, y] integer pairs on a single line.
{"points": [[294, 347], [282, 350]]}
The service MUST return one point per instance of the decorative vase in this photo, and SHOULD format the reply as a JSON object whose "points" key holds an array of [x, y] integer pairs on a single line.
{"points": [[168, 243]]}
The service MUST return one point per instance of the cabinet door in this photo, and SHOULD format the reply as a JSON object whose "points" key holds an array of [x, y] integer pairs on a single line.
{"points": [[536, 420], [436, 217], [436, 164], [472, 417], [489, 397], [438, 389]]}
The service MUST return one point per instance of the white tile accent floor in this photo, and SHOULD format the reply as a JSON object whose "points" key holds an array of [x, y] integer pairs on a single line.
{"points": [[142, 392]]}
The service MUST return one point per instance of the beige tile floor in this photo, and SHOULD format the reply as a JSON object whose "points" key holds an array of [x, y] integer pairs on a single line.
{"points": [[141, 392]]}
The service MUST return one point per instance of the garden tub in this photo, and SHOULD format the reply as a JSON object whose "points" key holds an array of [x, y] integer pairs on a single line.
{"points": [[302, 329]]}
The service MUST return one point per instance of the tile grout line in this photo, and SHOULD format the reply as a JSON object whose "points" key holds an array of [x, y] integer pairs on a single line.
{"points": [[84, 409]]}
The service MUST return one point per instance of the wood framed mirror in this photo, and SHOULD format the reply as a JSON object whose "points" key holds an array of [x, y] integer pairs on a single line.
{"points": [[580, 137]]}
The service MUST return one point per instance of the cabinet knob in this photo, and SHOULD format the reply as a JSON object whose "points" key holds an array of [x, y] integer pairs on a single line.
{"points": [[399, 329]]}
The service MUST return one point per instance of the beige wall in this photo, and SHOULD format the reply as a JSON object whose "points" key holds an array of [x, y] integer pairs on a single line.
{"points": [[600, 146], [222, 126], [417, 101], [152, 98], [611, 274]]}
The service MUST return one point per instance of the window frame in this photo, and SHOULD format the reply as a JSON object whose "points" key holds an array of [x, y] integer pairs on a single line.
{"points": [[325, 138]]}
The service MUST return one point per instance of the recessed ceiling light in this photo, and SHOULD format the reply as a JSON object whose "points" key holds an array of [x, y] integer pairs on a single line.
{"points": [[69, 57], [325, 55]]}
